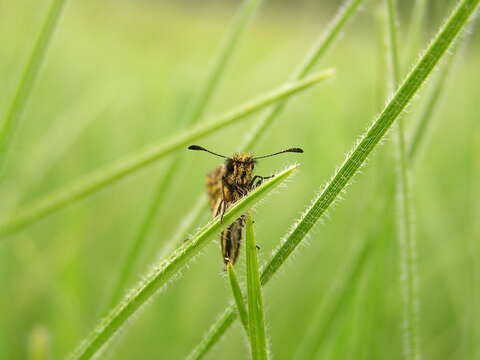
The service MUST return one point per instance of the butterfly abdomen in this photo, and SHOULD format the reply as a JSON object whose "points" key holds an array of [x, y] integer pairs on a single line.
{"points": [[231, 239]]}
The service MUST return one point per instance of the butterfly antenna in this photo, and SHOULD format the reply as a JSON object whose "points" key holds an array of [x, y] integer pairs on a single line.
{"points": [[196, 147], [294, 150]]}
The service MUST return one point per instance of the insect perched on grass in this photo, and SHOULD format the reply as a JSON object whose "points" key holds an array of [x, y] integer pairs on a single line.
{"points": [[227, 184]]}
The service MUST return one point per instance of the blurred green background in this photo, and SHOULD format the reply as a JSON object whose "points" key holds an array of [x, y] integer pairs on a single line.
{"points": [[122, 74]]}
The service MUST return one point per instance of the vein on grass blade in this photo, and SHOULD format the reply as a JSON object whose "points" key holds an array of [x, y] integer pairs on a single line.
{"points": [[166, 270], [448, 32], [27, 81], [135, 162]]}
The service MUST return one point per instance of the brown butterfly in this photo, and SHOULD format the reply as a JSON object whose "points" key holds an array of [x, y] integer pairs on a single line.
{"points": [[227, 184]]}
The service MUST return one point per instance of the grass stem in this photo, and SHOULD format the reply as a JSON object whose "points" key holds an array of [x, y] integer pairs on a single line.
{"points": [[28, 79], [256, 313], [404, 213], [238, 297]]}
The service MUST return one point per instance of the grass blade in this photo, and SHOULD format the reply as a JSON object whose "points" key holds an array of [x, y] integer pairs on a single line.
{"points": [[339, 295], [319, 49], [167, 269], [423, 123], [256, 314], [29, 76], [415, 30], [404, 213], [136, 245], [326, 40], [106, 176], [238, 296], [415, 79], [243, 17]]}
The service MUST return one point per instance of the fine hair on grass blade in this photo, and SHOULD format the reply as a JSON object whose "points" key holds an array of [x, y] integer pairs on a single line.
{"points": [[27, 81], [448, 32], [133, 163], [166, 270], [404, 212], [312, 58], [340, 293], [238, 296], [242, 18], [256, 313]]}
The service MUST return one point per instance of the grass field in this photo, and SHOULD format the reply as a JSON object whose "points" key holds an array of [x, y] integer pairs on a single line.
{"points": [[121, 75]]}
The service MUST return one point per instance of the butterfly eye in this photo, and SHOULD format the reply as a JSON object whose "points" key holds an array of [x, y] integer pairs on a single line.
{"points": [[229, 164]]}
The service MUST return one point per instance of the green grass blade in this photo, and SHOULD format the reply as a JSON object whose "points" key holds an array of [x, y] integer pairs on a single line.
{"points": [[404, 214], [256, 313], [423, 123], [393, 44], [340, 294], [137, 244], [441, 42], [243, 17], [27, 81], [415, 30], [130, 164], [167, 269], [326, 40], [319, 49], [238, 296]]}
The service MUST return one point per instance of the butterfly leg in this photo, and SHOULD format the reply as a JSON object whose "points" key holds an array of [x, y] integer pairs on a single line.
{"points": [[258, 180]]}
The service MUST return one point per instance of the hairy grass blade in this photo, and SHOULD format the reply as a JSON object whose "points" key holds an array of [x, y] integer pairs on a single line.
{"points": [[404, 213], [312, 58], [167, 269], [238, 296], [256, 313], [242, 18], [356, 158], [130, 164]]}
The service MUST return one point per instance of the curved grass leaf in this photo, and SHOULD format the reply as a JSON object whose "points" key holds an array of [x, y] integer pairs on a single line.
{"points": [[238, 296], [130, 164], [402, 97], [28, 78], [168, 269], [256, 314]]}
